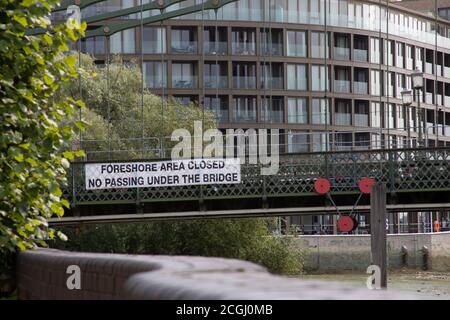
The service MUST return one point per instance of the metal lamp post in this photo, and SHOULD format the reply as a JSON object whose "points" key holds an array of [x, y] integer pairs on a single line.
{"points": [[417, 84], [407, 99]]}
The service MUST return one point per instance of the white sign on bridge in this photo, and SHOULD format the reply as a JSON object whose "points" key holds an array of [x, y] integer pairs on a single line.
{"points": [[162, 174]]}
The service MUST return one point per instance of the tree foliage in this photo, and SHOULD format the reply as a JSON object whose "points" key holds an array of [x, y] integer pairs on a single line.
{"points": [[248, 239], [122, 115], [33, 132]]}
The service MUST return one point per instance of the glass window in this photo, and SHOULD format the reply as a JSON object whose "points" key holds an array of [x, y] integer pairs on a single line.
{"points": [[123, 42], [184, 75], [374, 50], [296, 43], [244, 109], [375, 85], [298, 110], [243, 41], [184, 40], [318, 77], [320, 111], [318, 45], [296, 76], [375, 114], [272, 110], [154, 40], [297, 141], [155, 74]]}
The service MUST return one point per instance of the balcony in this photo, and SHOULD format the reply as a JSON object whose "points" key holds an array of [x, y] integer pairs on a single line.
{"points": [[244, 82], [439, 99], [184, 47], [343, 119], [243, 48], [274, 116], [360, 55], [274, 83], [429, 98], [302, 84], [249, 116], [360, 87], [213, 48], [220, 115], [296, 50], [342, 86], [274, 49], [215, 81], [341, 53], [184, 82], [438, 69], [361, 120]]}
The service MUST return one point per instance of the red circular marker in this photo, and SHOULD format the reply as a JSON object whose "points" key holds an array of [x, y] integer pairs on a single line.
{"points": [[322, 185], [345, 224], [365, 184]]}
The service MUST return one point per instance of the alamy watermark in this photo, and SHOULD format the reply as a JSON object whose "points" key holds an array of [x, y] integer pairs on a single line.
{"points": [[251, 144]]}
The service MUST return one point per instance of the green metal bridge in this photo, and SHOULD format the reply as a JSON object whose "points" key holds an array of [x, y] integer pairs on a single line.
{"points": [[415, 178]]}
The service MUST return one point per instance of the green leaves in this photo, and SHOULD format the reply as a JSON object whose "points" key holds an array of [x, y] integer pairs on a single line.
{"points": [[32, 133]]}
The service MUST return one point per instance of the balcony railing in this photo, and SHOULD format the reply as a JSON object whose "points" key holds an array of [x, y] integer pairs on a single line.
{"points": [[184, 47], [219, 48], [302, 84], [273, 116], [274, 83], [245, 117], [361, 120], [439, 99], [342, 86], [296, 50], [243, 48], [343, 119], [274, 49], [409, 64], [360, 87], [215, 81], [184, 82], [221, 115], [438, 69], [341, 53], [360, 54], [244, 82]]}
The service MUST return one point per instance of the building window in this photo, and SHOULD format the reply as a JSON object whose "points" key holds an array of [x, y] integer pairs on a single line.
{"points": [[297, 141], [184, 40], [154, 40], [271, 42], [375, 85], [155, 74], [298, 110], [296, 77], [320, 111], [318, 76], [375, 115], [318, 49], [218, 105], [243, 41], [343, 112], [123, 42], [215, 75], [272, 110], [94, 45], [184, 75], [244, 75], [244, 109], [296, 44], [375, 50]]}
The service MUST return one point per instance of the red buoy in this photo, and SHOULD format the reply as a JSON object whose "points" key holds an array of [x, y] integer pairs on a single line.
{"points": [[365, 184], [322, 185], [345, 224]]}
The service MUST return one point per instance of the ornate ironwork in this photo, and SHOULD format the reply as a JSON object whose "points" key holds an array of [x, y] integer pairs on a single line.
{"points": [[402, 170]]}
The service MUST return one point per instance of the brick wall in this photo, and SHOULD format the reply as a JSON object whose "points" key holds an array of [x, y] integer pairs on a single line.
{"points": [[41, 274]]}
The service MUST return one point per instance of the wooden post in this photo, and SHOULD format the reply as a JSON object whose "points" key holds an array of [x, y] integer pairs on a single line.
{"points": [[378, 230]]}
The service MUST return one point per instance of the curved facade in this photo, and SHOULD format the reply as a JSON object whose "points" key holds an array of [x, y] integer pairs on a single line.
{"points": [[307, 67]]}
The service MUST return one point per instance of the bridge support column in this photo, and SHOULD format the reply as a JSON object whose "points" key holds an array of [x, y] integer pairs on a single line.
{"points": [[378, 230]]}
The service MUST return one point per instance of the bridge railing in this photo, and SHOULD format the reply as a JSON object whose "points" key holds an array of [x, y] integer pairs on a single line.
{"points": [[402, 170]]}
